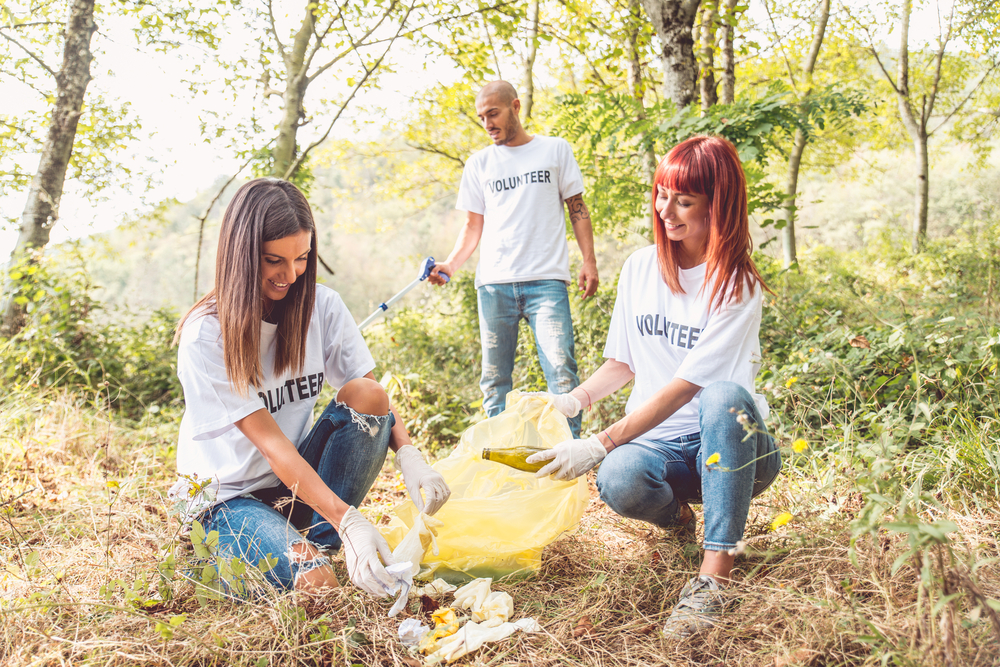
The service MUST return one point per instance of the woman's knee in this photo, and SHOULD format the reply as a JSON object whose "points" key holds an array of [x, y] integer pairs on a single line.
{"points": [[314, 570], [364, 395], [624, 486], [725, 396]]}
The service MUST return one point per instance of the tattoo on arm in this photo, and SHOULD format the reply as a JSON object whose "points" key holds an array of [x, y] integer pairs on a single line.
{"points": [[577, 209]]}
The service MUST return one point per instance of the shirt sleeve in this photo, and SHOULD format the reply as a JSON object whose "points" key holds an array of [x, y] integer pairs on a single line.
{"points": [[725, 346], [570, 178], [345, 354], [617, 346], [211, 406], [470, 191]]}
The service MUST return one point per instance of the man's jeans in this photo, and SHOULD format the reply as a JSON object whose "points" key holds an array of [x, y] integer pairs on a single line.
{"points": [[347, 449], [545, 305], [648, 480]]}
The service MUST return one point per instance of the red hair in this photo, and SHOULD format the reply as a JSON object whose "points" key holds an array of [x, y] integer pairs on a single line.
{"points": [[710, 166]]}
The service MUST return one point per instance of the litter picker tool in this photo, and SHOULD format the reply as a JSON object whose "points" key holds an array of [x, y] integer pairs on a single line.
{"points": [[425, 270]]}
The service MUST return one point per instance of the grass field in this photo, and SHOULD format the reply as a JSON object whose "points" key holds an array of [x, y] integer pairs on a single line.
{"points": [[86, 531]]}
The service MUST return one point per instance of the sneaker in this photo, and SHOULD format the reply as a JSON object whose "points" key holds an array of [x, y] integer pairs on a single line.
{"points": [[702, 599]]}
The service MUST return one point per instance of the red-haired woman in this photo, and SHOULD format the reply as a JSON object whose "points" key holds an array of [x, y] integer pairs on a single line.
{"points": [[685, 328], [253, 355]]}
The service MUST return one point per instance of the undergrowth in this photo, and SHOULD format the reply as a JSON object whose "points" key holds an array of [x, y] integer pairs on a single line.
{"points": [[876, 546]]}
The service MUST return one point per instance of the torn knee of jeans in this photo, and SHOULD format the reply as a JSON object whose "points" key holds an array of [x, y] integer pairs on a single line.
{"points": [[307, 566], [299, 551], [370, 424], [490, 371]]}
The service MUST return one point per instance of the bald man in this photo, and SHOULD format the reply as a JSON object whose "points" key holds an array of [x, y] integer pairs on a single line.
{"points": [[513, 193]]}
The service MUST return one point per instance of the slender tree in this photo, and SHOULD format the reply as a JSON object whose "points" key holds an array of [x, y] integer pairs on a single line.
{"points": [[706, 54], [803, 87], [967, 28], [46, 190]]}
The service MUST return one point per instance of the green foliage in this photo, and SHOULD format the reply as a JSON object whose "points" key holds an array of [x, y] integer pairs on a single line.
{"points": [[612, 134], [69, 341]]}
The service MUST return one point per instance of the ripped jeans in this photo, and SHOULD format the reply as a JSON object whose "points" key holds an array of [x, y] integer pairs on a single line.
{"points": [[347, 450], [545, 306]]}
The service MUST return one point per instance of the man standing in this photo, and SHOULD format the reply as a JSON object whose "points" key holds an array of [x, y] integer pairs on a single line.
{"points": [[513, 192]]}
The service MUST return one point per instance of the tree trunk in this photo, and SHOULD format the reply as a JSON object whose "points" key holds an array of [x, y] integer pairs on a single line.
{"points": [[41, 210], [799, 145], [791, 187], [528, 96], [916, 129], [296, 81], [637, 89], [673, 21], [709, 96], [636, 86], [727, 59], [920, 200]]}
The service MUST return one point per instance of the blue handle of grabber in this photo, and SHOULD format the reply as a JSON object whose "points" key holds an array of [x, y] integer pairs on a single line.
{"points": [[425, 270]]}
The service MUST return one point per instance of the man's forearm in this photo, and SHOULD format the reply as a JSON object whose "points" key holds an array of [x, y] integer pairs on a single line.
{"points": [[467, 241], [583, 229]]}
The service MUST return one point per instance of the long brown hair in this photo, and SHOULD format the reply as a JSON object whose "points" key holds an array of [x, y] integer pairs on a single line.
{"points": [[263, 210], [710, 166]]}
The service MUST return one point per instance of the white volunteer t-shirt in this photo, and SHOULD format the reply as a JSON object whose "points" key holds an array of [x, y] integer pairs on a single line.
{"points": [[662, 336], [210, 445], [520, 192]]}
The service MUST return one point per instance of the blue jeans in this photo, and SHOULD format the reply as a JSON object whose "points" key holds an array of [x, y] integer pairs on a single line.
{"points": [[347, 449], [649, 481], [545, 305]]}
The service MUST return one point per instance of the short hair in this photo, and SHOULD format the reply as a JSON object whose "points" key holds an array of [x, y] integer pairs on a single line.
{"points": [[503, 91], [709, 165]]}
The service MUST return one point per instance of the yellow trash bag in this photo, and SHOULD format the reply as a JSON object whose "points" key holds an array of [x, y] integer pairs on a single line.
{"points": [[498, 519]]}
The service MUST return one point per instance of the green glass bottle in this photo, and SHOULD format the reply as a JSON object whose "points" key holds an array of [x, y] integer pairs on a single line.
{"points": [[515, 457]]}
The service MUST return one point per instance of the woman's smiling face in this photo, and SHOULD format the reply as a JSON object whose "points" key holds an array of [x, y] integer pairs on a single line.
{"points": [[685, 218], [282, 262]]}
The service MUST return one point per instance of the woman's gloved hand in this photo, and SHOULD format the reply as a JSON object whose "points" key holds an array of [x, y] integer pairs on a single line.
{"points": [[418, 475], [362, 546], [564, 403], [570, 459]]}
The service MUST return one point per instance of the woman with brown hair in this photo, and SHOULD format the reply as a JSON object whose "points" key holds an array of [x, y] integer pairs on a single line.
{"points": [[253, 355], [685, 328]]}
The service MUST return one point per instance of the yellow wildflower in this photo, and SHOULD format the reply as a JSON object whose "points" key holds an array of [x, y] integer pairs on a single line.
{"points": [[781, 520], [790, 381], [713, 459], [800, 446]]}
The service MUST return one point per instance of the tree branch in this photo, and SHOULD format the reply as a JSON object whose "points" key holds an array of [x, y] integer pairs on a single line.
{"points": [[958, 107], [204, 216], [368, 72], [29, 52], [436, 151], [873, 50], [274, 30], [784, 56]]}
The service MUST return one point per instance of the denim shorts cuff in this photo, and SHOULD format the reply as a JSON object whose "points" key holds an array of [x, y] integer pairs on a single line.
{"points": [[718, 546]]}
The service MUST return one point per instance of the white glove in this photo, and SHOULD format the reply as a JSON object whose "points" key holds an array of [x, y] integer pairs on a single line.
{"points": [[564, 403], [362, 546], [570, 459], [418, 475]]}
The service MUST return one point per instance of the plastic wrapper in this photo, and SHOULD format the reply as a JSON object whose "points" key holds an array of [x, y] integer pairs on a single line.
{"points": [[498, 519], [473, 635], [434, 590], [418, 539], [411, 631]]}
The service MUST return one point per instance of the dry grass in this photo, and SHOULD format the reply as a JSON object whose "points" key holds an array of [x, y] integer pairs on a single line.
{"points": [[802, 601]]}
